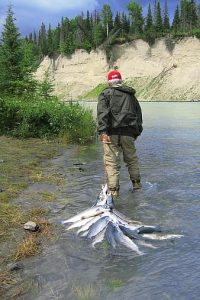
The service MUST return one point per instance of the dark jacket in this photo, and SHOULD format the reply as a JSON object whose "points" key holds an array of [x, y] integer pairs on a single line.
{"points": [[119, 112]]}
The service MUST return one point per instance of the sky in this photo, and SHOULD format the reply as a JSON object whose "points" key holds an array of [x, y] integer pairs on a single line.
{"points": [[30, 14]]}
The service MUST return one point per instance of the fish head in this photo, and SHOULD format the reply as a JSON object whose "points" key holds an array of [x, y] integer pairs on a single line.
{"points": [[103, 195], [109, 200]]}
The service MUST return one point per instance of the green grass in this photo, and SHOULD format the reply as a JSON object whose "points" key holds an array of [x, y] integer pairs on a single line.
{"points": [[94, 93], [20, 164], [115, 283], [87, 292]]}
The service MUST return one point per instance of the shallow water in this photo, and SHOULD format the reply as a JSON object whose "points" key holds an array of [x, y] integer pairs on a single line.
{"points": [[170, 167]]}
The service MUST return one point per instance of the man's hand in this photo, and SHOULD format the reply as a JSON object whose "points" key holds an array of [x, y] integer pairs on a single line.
{"points": [[104, 138]]}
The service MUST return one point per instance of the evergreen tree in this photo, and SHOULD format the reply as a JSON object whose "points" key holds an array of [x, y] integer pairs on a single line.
{"points": [[149, 33], [34, 38], [88, 21], [188, 15], [158, 23], [176, 20], [96, 18], [29, 62], [117, 22], [56, 39], [125, 23], [193, 17], [155, 11], [98, 34], [30, 37], [107, 18], [50, 48], [10, 55], [66, 45], [137, 19], [42, 40], [149, 19], [166, 23], [198, 16]]}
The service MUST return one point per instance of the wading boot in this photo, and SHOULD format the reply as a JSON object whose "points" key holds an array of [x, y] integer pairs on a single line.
{"points": [[114, 192], [136, 184]]}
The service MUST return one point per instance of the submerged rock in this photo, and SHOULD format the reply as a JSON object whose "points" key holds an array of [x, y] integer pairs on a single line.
{"points": [[31, 226], [15, 266]]}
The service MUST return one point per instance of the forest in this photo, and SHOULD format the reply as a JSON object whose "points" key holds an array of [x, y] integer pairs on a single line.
{"points": [[103, 28]]}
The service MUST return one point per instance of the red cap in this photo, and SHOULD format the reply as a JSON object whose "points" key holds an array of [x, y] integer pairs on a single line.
{"points": [[112, 75]]}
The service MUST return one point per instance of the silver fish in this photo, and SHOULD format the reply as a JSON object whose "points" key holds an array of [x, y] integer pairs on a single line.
{"points": [[109, 234], [79, 223], [99, 237], [84, 234], [88, 224], [161, 237], [148, 229], [123, 217], [115, 219], [126, 241], [130, 232], [97, 227], [91, 212], [105, 197], [104, 221], [143, 243]]}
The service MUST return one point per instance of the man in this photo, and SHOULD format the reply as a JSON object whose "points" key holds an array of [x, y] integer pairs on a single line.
{"points": [[119, 124]]}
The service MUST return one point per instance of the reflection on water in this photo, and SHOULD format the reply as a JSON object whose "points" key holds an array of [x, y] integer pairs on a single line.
{"points": [[170, 167]]}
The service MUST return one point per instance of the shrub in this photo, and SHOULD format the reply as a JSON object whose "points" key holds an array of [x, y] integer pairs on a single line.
{"points": [[45, 118]]}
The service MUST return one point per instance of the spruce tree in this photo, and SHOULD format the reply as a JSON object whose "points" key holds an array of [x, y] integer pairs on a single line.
{"points": [[88, 21], [176, 20], [198, 16], [56, 39], [137, 19], [50, 48], [42, 40], [159, 23], [193, 18], [155, 11], [10, 55], [98, 34], [166, 23], [183, 15], [117, 22], [34, 38], [125, 23], [96, 18], [149, 30], [149, 19]]}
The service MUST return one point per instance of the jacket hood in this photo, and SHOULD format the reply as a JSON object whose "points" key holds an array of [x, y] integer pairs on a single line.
{"points": [[125, 89]]}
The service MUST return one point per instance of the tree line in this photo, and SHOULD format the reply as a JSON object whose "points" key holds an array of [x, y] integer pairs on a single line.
{"points": [[19, 56], [89, 31]]}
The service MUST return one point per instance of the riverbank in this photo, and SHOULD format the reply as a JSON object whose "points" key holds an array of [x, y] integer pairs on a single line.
{"points": [[22, 164], [67, 267]]}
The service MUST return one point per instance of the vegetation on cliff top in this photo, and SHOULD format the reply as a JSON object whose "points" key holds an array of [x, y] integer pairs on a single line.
{"points": [[104, 28]]}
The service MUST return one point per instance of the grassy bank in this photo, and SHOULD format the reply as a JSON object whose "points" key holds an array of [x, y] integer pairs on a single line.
{"points": [[20, 165], [22, 162]]}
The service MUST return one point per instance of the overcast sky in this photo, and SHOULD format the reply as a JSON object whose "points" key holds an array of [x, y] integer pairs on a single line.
{"points": [[30, 14]]}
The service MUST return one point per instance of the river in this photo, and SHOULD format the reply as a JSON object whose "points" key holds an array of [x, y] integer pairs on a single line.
{"points": [[169, 153]]}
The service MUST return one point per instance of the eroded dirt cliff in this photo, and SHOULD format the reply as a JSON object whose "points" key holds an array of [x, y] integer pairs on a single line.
{"points": [[166, 71]]}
